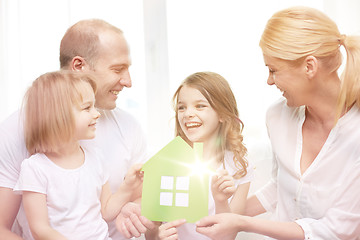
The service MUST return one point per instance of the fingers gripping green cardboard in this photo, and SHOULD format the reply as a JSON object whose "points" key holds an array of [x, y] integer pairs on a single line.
{"points": [[175, 184]]}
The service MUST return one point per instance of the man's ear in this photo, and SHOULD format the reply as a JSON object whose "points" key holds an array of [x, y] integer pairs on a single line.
{"points": [[78, 63], [311, 66]]}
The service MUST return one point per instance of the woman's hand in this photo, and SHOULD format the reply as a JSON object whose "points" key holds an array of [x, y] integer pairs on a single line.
{"points": [[222, 226]]}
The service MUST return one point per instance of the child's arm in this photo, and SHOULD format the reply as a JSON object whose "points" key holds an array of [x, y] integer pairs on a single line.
{"points": [[253, 207], [238, 202], [111, 204], [37, 216], [222, 188]]}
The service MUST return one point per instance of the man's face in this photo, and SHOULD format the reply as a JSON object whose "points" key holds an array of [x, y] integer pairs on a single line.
{"points": [[111, 70]]}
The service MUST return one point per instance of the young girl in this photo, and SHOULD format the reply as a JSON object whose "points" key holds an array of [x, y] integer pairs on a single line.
{"points": [[65, 190], [206, 111]]}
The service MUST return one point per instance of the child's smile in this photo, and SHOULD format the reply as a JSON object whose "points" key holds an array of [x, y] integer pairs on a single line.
{"points": [[198, 120]]}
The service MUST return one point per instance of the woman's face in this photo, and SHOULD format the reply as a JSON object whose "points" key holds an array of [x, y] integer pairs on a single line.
{"points": [[290, 80]]}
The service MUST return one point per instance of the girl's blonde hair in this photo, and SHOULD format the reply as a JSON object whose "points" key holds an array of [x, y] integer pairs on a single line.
{"points": [[218, 93], [295, 33], [48, 106]]}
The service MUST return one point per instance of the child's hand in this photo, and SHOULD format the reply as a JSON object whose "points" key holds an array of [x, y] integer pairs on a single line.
{"points": [[134, 177], [168, 230], [222, 186]]}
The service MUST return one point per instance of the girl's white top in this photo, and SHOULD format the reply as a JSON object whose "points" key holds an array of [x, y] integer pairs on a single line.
{"points": [[72, 195], [188, 230]]}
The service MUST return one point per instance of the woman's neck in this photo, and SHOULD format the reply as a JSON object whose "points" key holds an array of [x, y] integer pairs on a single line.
{"points": [[322, 107]]}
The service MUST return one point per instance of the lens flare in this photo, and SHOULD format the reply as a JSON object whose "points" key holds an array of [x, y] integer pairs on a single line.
{"points": [[200, 168]]}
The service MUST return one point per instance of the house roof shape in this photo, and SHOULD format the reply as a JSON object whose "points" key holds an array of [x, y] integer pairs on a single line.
{"points": [[172, 188]]}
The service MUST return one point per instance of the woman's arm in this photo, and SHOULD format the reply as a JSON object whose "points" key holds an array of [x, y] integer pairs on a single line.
{"points": [[37, 216], [226, 225]]}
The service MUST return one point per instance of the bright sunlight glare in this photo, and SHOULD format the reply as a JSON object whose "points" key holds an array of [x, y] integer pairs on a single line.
{"points": [[200, 168]]}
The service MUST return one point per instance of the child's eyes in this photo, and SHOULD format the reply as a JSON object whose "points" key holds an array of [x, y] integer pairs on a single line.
{"points": [[181, 108], [198, 106], [87, 108]]}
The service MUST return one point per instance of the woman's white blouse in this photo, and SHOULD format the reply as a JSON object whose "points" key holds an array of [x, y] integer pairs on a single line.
{"points": [[325, 199]]}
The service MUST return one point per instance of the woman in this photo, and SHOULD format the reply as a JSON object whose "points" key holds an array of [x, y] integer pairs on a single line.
{"points": [[313, 131]]}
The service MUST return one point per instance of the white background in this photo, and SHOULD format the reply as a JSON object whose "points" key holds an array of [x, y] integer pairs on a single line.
{"points": [[169, 40]]}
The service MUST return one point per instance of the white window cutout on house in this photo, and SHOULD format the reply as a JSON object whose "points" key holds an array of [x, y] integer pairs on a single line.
{"points": [[182, 183], [167, 182], [181, 198], [166, 198]]}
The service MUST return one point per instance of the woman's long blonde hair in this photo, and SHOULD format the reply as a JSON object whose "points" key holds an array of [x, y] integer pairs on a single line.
{"points": [[218, 93], [297, 32]]}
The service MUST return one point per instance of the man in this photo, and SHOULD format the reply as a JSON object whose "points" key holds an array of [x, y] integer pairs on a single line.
{"points": [[99, 48]]}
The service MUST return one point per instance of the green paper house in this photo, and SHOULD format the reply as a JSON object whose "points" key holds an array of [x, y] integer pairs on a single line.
{"points": [[173, 188]]}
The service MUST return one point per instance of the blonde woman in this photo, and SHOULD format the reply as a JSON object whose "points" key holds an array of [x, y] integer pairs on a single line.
{"points": [[206, 111], [313, 129], [66, 194]]}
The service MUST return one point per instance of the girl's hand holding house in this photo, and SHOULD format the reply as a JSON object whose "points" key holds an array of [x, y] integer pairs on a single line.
{"points": [[222, 188], [134, 177], [168, 230], [133, 180]]}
